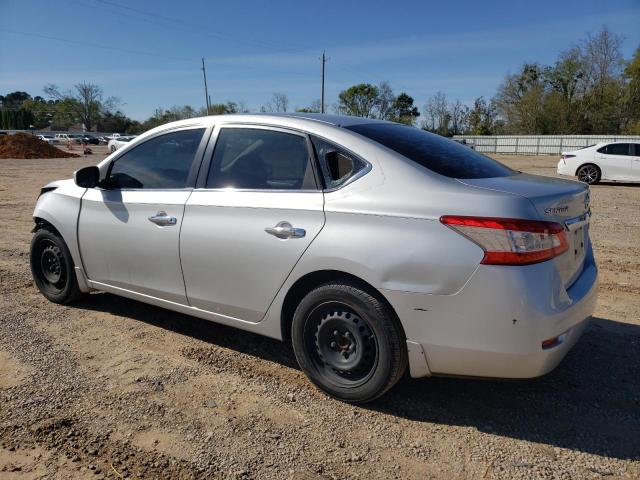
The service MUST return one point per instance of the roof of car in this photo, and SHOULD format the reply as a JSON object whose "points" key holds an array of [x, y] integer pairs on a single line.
{"points": [[278, 118], [337, 120]]}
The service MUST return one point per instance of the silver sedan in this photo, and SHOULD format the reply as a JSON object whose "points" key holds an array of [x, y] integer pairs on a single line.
{"points": [[371, 246]]}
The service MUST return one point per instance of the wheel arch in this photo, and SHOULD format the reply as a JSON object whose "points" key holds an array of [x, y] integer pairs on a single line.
{"points": [[585, 164], [41, 223], [311, 280]]}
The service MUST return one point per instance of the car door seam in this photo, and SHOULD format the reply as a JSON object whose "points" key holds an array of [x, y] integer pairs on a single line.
{"points": [[184, 282], [284, 281]]}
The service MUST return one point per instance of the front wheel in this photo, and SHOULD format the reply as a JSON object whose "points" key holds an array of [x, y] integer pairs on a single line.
{"points": [[348, 342], [589, 174], [52, 267]]}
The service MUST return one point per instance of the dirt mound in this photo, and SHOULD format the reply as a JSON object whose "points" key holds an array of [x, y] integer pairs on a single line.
{"points": [[22, 145]]}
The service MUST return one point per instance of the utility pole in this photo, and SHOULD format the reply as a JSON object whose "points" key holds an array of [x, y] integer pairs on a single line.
{"points": [[324, 60], [206, 91]]}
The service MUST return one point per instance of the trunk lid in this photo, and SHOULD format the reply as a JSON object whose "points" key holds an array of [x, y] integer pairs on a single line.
{"points": [[556, 200]]}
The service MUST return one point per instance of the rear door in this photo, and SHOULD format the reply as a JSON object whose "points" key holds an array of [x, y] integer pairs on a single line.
{"points": [[615, 161], [129, 231], [258, 207]]}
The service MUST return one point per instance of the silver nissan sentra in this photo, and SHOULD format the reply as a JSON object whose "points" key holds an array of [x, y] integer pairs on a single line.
{"points": [[372, 246]]}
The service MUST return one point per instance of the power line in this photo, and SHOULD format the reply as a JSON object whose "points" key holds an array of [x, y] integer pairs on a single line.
{"points": [[93, 45], [207, 31]]}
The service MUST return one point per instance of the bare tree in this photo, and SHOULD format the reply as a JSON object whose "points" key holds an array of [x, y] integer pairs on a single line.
{"points": [[86, 102], [437, 117], [459, 114], [602, 56], [385, 101], [279, 103]]}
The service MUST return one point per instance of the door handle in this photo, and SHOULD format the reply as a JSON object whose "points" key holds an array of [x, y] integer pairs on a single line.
{"points": [[161, 218], [284, 230]]}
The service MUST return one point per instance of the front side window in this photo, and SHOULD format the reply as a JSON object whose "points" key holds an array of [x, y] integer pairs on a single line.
{"points": [[260, 159], [434, 152], [162, 162]]}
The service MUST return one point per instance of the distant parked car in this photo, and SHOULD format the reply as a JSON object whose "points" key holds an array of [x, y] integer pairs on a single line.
{"points": [[614, 161], [115, 143], [61, 137], [113, 136], [46, 138], [90, 139]]}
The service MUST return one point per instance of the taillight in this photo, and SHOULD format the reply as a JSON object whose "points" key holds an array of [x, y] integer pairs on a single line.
{"points": [[564, 157], [511, 241]]}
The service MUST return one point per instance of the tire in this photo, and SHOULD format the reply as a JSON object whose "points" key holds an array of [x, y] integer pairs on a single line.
{"points": [[52, 267], [348, 342], [589, 174], [113, 149]]}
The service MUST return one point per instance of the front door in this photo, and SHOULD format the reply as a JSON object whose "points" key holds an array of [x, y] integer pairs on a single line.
{"points": [[129, 230], [258, 211]]}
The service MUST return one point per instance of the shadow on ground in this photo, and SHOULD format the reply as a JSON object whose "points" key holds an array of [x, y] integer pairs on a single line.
{"points": [[590, 403]]}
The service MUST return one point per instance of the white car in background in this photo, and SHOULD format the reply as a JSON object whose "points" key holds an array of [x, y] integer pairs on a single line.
{"points": [[614, 161], [115, 143], [46, 138]]}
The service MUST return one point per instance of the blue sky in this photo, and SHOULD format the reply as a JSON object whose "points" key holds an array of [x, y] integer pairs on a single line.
{"points": [[148, 53]]}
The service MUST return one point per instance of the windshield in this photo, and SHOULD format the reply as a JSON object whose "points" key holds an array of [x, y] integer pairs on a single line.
{"points": [[434, 152]]}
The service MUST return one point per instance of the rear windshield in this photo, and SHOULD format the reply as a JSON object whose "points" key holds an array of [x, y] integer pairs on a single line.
{"points": [[434, 152]]}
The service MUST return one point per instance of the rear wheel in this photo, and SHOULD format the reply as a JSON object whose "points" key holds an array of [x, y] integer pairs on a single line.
{"points": [[52, 267], [348, 342], [589, 174], [113, 148]]}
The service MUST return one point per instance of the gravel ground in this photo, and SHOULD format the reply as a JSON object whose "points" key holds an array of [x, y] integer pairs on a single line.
{"points": [[112, 388]]}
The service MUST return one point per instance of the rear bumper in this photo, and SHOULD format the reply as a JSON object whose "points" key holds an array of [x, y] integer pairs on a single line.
{"points": [[495, 325], [564, 169]]}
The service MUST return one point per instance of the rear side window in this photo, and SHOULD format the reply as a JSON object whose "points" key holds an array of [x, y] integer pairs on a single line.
{"points": [[162, 162], [616, 149], [434, 152], [259, 159], [342, 169]]}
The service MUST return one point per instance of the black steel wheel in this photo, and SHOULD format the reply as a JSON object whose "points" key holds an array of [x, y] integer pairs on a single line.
{"points": [[345, 346], [349, 342], [52, 267], [589, 174]]}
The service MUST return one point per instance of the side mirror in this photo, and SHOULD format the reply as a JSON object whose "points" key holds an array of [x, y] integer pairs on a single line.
{"points": [[87, 177], [339, 164]]}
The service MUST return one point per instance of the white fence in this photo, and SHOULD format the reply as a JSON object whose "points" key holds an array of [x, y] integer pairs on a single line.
{"points": [[537, 144]]}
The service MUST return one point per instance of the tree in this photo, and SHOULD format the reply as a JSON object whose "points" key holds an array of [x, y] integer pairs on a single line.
{"points": [[85, 102], [459, 114], [385, 102], [520, 99], [360, 100], [14, 99], [482, 117], [632, 94], [403, 110], [437, 116], [313, 108], [279, 103]]}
